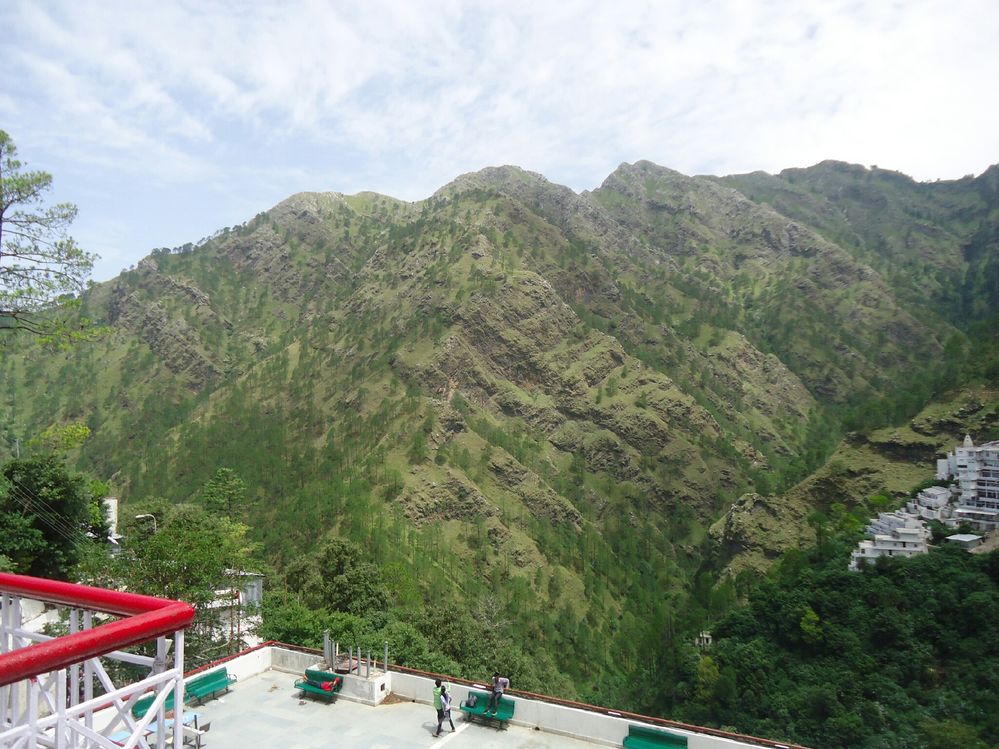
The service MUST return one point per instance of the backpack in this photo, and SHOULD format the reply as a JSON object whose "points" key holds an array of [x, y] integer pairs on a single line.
{"points": [[472, 700]]}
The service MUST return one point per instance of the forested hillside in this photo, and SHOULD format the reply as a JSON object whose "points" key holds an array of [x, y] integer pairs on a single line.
{"points": [[903, 654], [527, 406]]}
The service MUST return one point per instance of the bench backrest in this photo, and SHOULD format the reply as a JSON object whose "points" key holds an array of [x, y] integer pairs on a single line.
{"points": [[658, 735], [481, 698], [320, 676], [504, 709], [143, 703], [219, 675]]}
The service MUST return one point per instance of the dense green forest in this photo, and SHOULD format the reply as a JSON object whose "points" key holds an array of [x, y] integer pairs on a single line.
{"points": [[904, 653]]}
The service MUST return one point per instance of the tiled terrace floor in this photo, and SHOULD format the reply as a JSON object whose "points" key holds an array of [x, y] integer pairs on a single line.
{"points": [[265, 712]]}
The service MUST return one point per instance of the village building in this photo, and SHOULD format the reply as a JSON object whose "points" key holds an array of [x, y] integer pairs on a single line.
{"points": [[976, 470], [905, 540]]}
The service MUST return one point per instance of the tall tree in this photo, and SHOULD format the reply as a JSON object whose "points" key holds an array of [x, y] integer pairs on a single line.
{"points": [[193, 556], [225, 493], [40, 264]]}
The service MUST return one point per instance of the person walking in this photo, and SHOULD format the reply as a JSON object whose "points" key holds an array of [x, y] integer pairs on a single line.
{"points": [[439, 691], [445, 711], [500, 684], [442, 704]]}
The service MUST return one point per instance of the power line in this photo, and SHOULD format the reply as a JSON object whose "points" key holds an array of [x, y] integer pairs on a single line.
{"points": [[48, 515]]}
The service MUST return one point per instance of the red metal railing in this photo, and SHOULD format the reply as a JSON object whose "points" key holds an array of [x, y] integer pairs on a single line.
{"points": [[145, 618]]}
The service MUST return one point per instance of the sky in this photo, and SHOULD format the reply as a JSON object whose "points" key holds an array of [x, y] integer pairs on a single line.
{"points": [[165, 121]]}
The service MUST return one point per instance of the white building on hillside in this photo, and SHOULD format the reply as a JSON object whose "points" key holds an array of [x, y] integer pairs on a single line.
{"points": [[906, 540], [932, 503], [976, 469]]}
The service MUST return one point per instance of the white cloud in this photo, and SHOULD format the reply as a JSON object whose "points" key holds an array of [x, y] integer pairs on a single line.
{"points": [[403, 96]]}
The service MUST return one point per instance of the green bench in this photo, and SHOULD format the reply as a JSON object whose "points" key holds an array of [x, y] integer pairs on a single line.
{"points": [[314, 681], [142, 704], [645, 737], [504, 709], [197, 689], [208, 684]]}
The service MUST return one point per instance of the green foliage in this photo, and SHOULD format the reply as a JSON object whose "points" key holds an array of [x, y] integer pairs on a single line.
{"points": [[225, 494], [62, 438], [335, 577], [39, 262], [46, 514], [191, 556], [904, 653]]}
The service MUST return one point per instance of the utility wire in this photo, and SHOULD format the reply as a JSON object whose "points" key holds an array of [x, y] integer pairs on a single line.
{"points": [[46, 513], [42, 508]]}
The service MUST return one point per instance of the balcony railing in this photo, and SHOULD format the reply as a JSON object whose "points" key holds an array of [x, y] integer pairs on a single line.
{"points": [[56, 691]]}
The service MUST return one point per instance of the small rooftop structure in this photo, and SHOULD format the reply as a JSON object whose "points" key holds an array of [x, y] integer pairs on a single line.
{"points": [[968, 541]]}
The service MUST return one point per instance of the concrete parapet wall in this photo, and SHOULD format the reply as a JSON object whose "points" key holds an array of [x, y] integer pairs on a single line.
{"points": [[291, 661], [560, 719], [567, 720], [246, 665]]}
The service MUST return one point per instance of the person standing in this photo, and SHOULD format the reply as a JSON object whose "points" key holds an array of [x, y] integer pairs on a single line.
{"points": [[500, 685], [445, 711], [439, 704]]}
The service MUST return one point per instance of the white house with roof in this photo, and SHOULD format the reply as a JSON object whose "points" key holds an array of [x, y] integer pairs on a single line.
{"points": [[908, 539], [932, 503]]}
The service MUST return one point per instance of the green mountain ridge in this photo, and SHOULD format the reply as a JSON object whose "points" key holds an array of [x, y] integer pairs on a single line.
{"points": [[520, 391]]}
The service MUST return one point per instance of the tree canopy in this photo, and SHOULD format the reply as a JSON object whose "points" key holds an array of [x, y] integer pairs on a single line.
{"points": [[190, 555], [41, 266], [47, 514], [903, 653]]}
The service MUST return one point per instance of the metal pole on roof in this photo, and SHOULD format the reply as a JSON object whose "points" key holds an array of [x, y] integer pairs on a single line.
{"points": [[385, 662], [367, 667]]}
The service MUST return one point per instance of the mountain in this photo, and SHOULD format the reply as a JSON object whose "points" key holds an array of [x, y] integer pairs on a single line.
{"points": [[517, 392], [933, 242]]}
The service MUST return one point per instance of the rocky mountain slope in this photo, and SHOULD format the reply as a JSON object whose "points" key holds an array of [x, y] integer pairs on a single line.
{"points": [[553, 395]]}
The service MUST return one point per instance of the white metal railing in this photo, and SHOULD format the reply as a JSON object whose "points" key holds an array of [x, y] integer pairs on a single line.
{"points": [[56, 691]]}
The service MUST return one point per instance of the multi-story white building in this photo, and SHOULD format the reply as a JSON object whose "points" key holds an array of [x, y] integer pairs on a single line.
{"points": [[932, 503], [906, 540], [976, 469]]}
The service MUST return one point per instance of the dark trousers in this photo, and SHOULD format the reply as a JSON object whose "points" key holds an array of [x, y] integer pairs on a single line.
{"points": [[441, 716], [493, 703]]}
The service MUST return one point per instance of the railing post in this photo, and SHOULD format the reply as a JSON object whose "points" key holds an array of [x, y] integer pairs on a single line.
{"points": [[33, 689], [88, 673], [178, 693]]}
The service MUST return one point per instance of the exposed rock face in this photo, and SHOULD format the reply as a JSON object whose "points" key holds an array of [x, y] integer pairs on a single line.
{"points": [[536, 497], [757, 529], [454, 499], [173, 341]]}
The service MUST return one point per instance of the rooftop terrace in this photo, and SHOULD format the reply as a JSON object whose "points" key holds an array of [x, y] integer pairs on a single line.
{"points": [[264, 710], [49, 695], [393, 711]]}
